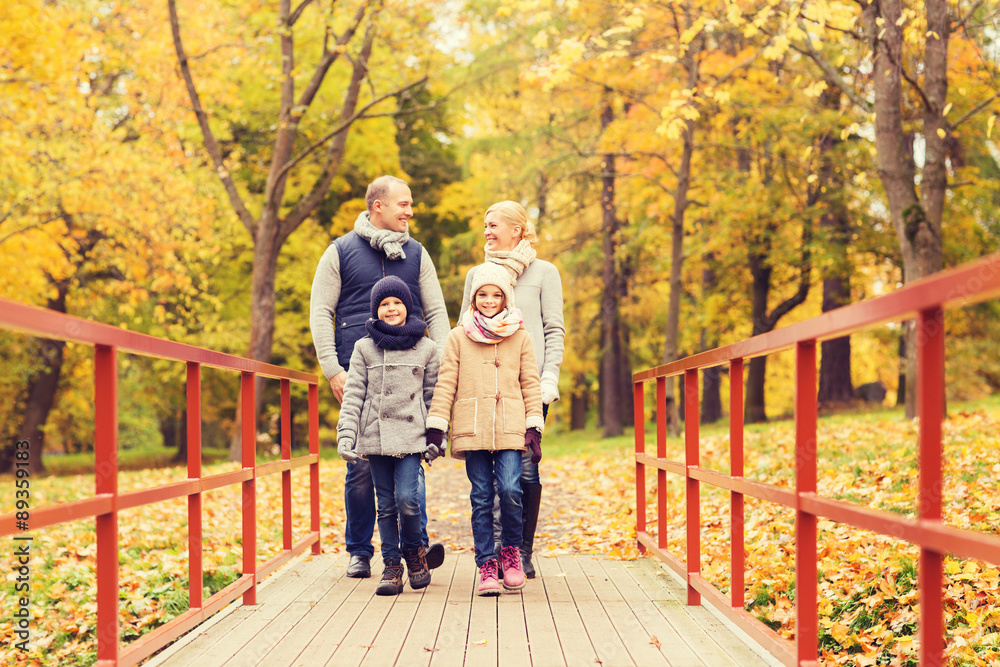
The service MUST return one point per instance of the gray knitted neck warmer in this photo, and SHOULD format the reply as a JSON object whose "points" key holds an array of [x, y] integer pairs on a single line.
{"points": [[383, 240]]}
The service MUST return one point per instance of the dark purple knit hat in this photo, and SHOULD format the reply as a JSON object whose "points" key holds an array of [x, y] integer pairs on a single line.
{"points": [[391, 286]]}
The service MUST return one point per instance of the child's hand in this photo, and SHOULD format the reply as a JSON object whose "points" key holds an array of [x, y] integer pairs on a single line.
{"points": [[533, 440], [346, 450], [432, 452], [435, 437]]}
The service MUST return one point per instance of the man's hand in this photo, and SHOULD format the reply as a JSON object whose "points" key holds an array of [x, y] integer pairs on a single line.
{"points": [[337, 384]]}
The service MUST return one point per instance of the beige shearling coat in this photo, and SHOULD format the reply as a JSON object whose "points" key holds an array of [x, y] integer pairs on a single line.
{"points": [[491, 392]]}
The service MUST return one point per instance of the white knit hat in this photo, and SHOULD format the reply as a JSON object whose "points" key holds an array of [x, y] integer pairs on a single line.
{"points": [[492, 274]]}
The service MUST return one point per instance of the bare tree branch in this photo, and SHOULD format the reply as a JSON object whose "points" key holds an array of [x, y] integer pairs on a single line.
{"points": [[334, 153], [298, 12], [29, 227], [831, 74], [346, 124], [210, 143], [975, 110]]}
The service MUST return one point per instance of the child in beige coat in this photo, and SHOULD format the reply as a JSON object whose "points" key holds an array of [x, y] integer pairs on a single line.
{"points": [[488, 386]]}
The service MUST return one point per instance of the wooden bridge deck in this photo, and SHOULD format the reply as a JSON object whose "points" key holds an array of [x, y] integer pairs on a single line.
{"points": [[578, 611]]}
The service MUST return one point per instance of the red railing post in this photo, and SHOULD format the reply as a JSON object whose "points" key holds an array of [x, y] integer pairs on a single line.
{"points": [[249, 500], [930, 408], [806, 604], [737, 557], [286, 455], [638, 394], [106, 482], [693, 487], [661, 453], [314, 467], [195, 566]]}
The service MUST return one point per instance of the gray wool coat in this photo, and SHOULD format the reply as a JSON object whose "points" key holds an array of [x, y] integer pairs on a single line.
{"points": [[386, 398]]}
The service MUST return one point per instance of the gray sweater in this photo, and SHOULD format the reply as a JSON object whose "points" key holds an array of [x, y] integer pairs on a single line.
{"points": [[538, 295], [386, 398], [326, 294]]}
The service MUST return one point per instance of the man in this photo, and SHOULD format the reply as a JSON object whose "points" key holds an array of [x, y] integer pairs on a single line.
{"points": [[339, 306]]}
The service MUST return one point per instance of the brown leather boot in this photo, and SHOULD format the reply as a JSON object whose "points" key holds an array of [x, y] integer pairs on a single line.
{"points": [[416, 567], [392, 578]]}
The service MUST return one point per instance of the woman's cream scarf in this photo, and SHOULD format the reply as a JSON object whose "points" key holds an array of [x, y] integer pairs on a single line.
{"points": [[515, 261]]}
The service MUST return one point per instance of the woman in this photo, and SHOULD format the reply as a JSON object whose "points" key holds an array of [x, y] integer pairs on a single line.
{"points": [[538, 294]]}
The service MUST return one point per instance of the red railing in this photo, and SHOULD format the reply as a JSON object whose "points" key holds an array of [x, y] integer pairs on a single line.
{"points": [[107, 501], [924, 300]]}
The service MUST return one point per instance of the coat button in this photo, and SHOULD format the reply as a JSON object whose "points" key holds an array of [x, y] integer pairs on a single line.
{"points": [[409, 418], [388, 391], [416, 370], [412, 396], [497, 362], [384, 417], [391, 368]]}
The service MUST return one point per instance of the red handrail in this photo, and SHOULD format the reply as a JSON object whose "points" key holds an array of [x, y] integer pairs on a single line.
{"points": [[108, 501], [924, 300]]}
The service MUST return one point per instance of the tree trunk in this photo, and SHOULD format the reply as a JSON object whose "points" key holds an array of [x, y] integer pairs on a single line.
{"points": [[763, 321], [835, 385], [42, 388], [611, 340], [917, 220], [670, 345], [711, 397], [578, 403]]}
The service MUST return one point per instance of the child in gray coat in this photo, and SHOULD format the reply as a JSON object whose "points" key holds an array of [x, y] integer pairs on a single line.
{"points": [[386, 398]]}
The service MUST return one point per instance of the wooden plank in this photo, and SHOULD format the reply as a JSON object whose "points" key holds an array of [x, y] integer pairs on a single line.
{"points": [[215, 633], [483, 645], [734, 645], [611, 650], [253, 651], [204, 639], [454, 632], [672, 646], [388, 641], [512, 634], [680, 616], [330, 635], [352, 649], [640, 645], [285, 651], [420, 644], [543, 640], [576, 646]]}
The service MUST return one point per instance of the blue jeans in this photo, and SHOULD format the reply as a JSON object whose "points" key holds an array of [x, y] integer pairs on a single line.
{"points": [[359, 508], [503, 468], [398, 489]]}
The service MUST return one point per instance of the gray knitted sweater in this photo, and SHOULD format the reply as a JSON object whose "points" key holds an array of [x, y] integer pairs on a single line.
{"points": [[386, 398], [538, 295]]}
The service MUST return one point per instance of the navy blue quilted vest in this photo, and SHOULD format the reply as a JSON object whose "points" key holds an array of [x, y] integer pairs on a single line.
{"points": [[361, 266]]}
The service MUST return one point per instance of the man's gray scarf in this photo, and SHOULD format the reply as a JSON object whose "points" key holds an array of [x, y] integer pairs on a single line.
{"points": [[383, 240]]}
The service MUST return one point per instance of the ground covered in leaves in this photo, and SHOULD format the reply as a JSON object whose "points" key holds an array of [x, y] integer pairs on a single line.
{"points": [[868, 599]]}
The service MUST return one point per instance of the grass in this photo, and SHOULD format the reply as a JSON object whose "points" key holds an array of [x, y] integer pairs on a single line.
{"points": [[137, 458]]}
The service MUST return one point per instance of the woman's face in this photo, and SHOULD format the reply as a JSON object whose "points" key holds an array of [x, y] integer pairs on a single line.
{"points": [[489, 300], [500, 237], [392, 311]]}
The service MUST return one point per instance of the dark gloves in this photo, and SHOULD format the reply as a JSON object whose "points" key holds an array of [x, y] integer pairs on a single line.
{"points": [[533, 440], [435, 437]]}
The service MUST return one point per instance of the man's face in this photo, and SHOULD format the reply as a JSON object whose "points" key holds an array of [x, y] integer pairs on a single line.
{"points": [[394, 213]]}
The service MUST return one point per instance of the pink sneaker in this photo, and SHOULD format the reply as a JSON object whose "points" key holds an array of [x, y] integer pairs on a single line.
{"points": [[489, 582], [513, 575]]}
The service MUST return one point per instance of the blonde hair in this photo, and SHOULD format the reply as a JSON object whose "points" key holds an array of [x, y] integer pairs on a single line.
{"points": [[513, 214]]}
